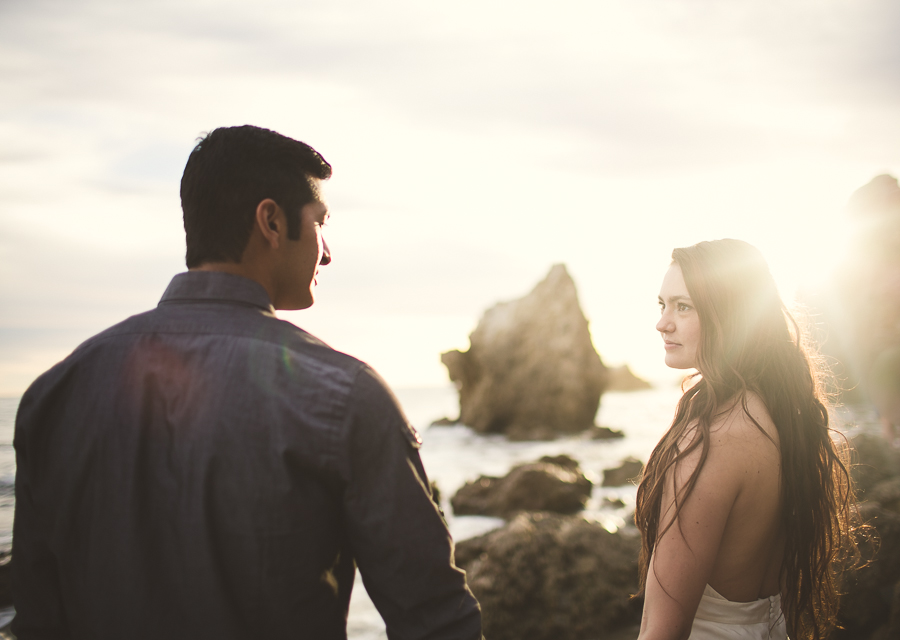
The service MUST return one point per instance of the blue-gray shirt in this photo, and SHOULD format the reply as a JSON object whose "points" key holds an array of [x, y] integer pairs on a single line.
{"points": [[205, 470]]}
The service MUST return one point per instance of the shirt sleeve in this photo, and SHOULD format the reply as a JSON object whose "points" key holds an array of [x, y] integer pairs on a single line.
{"points": [[35, 579], [397, 532]]}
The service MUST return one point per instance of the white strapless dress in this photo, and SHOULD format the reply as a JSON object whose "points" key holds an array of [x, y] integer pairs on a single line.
{"points": [[721, 619]]}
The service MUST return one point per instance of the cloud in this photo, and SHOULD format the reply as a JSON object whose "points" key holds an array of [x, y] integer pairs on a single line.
{"points": [[486, 139], [49, 282], [632, 89], [697, 84]]}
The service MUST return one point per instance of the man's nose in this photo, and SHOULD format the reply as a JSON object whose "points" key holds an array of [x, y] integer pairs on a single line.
{"points": [[326, 253]]}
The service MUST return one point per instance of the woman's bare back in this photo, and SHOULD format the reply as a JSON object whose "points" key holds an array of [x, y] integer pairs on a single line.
{"points": [[748, 563], [729, 532]]}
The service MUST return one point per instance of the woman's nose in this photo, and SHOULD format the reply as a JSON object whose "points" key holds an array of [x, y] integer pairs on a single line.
{"points": [[665, 324]]}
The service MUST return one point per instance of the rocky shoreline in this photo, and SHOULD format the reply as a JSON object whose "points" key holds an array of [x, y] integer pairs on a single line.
{"points": [[546, 576], [551, 574]]}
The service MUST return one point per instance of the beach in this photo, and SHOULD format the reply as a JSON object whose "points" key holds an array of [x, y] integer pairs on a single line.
{"points": [[453, 455]]}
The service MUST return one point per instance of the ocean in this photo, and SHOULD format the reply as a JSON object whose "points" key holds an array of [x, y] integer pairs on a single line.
{"points": [[8, 408], [454, 455]]}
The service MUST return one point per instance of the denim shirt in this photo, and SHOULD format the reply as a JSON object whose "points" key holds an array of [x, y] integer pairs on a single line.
{"points": [[206, 470]]}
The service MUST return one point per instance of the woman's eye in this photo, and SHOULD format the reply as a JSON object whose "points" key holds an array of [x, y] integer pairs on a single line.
{"points": [[683, 307]]}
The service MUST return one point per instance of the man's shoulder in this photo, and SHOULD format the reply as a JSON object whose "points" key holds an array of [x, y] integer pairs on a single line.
{"points": [[237, 324], [85, 346], [257, 335]]}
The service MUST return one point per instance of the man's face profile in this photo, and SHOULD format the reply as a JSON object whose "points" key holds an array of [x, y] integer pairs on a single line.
{"points": [[300, 259]]}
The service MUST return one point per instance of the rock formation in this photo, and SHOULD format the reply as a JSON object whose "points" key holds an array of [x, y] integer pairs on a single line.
{"points": [[604, 433], [873, 463], [549, 576], [622, 379], [552, 484], [628, 471], [531, 371], [857, 310], [870, 608], [546, 577]]}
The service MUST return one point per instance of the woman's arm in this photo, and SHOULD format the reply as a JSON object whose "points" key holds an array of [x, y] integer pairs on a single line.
{"points": [[684, 557]]}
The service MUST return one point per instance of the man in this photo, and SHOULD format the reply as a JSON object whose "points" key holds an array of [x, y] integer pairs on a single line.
{"points": [[205, 470]]}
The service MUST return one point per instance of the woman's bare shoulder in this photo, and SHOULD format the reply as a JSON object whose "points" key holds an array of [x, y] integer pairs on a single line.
{"points": [[745, 427], [742, 435]]}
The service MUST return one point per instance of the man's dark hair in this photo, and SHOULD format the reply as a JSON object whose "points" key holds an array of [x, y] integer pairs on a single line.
{"points": [[229, 173]]}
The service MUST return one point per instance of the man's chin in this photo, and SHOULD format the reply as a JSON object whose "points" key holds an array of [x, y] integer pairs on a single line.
{"points": [[296, 305]]}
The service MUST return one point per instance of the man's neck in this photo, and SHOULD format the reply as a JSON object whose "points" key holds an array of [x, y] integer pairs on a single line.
{"points": [[241, 269]]}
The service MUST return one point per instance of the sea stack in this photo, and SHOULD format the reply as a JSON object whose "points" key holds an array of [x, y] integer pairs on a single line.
{"points": [[531, 370]]}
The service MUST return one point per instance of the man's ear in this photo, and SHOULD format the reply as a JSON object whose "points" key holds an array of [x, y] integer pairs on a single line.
{"points": [[270, 221]]}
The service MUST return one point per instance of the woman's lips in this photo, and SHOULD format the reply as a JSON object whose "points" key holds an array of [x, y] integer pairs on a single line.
{"points": [[671, 345]]}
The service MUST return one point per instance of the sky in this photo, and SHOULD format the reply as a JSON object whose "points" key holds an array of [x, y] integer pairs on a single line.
{"points": [[474, 145]]}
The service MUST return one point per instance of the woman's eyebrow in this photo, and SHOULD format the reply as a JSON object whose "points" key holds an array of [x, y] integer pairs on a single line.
{"points": [[677, 298]]}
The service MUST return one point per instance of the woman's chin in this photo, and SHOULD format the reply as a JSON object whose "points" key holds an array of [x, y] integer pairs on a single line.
{"points": [[679, 363]]}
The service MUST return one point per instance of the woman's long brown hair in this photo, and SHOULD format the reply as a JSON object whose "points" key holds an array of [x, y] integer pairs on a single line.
{"points": [[750, 343]]}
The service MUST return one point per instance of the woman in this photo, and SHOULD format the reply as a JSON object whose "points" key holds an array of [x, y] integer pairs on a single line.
{"points": [[745, 504]]}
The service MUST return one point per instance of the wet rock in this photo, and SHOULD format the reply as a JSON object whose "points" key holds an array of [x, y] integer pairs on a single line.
{"points": [[604, 433], [562, 460], [887, 494], [869, 606], [873, 462], [444, 422], [622, 379], [551, 484], [546, 577], [628, 471], [890, 630], [531, 371]]}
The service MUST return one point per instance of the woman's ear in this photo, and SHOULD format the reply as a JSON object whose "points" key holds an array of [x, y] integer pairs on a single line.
{"points": [[270, 221]]}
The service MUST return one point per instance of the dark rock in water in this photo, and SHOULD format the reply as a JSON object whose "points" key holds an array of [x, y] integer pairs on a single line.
{"points": [[604, 433], [622, 379], [444, 422], [551, 484], [531, 371], [869, 608], [616, 503], [629, 470], [562, 460], [873, 462], [547, 577]]}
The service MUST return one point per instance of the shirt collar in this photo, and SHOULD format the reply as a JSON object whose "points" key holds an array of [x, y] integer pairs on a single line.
{"points": [[215, 286]]}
